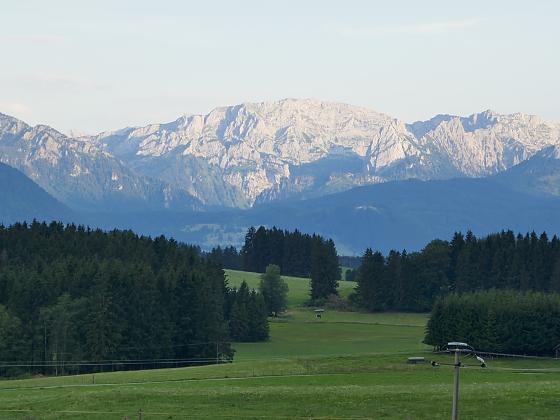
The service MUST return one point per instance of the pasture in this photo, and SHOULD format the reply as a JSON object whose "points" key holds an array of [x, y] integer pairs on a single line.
{"points": [[344, 387], [300, 334], [299, 287], [347, 365]]}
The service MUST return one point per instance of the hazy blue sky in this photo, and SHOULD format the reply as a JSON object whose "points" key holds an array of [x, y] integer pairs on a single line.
{"points": [[97, 65]]}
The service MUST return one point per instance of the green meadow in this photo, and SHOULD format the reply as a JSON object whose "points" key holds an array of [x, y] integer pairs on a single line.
{"points": [[299, 288], [346, 365], [300, 334]]}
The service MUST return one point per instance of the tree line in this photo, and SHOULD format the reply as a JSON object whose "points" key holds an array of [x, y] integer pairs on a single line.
{"points": [[502, 321], [73, 293], [296, 254], [413, 281], [291, 251], [227, 257]]}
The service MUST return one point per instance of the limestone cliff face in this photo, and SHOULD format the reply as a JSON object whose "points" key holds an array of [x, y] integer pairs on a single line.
{"points": [[252, 153], [79, 173], [257, 152]]}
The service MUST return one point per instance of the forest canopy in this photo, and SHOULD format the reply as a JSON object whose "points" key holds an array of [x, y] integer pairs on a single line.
{"points": [[413, 281], [70, 293], [503, 321]]}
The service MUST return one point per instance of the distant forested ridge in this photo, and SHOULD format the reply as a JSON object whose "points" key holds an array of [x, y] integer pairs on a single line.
{"points": [[70, 293], [503, 321], [412, 282]]}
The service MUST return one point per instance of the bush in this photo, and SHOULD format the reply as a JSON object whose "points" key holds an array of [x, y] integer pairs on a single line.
{"points": [[338, 303]]}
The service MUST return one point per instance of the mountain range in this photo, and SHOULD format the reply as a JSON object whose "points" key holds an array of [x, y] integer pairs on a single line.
{"points": [[248, 154], [79, 173], [349, 172], [392, 215]]}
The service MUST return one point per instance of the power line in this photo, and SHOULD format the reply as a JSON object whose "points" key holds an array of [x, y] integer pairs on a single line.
{"points": [[246, 377], [511, 355], [457, 348], [149, 347], [307, 356], [215, 379], [290, 357], [31, 362], [535, 370], [137, 363]]}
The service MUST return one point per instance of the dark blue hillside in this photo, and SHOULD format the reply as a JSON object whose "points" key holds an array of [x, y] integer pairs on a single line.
{"points": [[23, 200], [408, 214]]}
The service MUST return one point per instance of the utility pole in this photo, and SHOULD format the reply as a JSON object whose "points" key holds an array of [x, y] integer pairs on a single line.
{"points": [[457, 365], [458, 348], [217, 353]]}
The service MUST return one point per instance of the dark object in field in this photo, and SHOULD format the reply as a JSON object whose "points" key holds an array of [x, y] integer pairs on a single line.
{"points": [[416, 360]]}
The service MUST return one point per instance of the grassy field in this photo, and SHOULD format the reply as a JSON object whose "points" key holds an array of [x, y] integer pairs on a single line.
{"points": [[348, 365], [299, 287], [300, 333], [367, 386]]}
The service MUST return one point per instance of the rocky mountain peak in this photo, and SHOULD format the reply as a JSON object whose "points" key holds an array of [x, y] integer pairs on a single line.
{"points": [[292, 148], [80, 173], [267, 149]]}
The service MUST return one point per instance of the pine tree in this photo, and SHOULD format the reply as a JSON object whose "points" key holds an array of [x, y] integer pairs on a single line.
{"points": [[274, 290], [104, 327], [456, 247], [239, 319], [370, 276], [467, 273], [555, 277], [391, 290], [248, 251], [258, 317], [325, 271]]}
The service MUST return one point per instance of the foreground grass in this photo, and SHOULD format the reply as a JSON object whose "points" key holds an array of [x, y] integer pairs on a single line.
{"points": [[368, 386]]}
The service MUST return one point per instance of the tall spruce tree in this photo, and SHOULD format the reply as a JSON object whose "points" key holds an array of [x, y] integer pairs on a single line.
{"points": [[258, 321], [555, 277], [370, 280], [239, 319], [274, 290], [325, 271]]}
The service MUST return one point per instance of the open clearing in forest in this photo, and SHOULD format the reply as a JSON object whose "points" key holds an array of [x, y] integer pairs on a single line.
{"points": [[299, 287], [346, 365]]}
